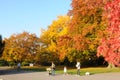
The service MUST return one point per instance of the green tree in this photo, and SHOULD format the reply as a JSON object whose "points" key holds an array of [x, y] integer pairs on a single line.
{"points": [[2, 43]]}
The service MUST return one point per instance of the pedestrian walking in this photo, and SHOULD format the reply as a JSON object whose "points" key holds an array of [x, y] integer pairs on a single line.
{"points": [[78, 68]]}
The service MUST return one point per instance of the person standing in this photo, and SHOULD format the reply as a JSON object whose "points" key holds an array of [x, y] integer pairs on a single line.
{"points": [[78, 68], [65, 70], [53, 68], [18, 66]]}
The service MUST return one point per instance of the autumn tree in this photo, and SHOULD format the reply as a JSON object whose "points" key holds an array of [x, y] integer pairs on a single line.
{"points": [[110, 45], [50, 36], [85, 27], [21, 47]]}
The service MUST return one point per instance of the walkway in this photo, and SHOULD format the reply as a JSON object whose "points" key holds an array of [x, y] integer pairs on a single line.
{"points": [[23, 75]]}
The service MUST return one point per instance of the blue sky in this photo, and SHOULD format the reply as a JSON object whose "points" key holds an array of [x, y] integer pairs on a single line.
{"points": [[17, 16]]}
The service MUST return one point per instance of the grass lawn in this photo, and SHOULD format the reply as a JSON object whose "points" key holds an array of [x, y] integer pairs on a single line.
{"points": [[92, 70]]}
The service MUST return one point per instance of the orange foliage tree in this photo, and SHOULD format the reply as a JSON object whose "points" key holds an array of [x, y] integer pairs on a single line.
{"points": [[84, 28], [21, 47]]}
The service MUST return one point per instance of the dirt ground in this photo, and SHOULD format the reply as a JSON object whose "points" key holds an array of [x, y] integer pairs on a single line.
{"points": [[25, 75]]}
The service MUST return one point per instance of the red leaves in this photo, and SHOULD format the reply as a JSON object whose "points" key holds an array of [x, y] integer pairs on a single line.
{"points": [[113, 9], [110, 46]]}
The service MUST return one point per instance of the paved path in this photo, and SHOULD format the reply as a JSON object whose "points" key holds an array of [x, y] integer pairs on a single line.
{"points": [[44, 76]]}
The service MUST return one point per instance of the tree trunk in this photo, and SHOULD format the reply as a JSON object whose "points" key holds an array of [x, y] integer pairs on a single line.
{"points": [[110, 65]]}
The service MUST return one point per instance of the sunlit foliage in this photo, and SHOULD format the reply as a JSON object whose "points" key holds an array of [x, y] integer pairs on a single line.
{"points": [[85, 27], [20, 47], [50, 36], [110, 45]]}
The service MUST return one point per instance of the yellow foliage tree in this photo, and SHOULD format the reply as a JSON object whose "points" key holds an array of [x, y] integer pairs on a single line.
{"points": [[20, 47], [57, 29]]}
